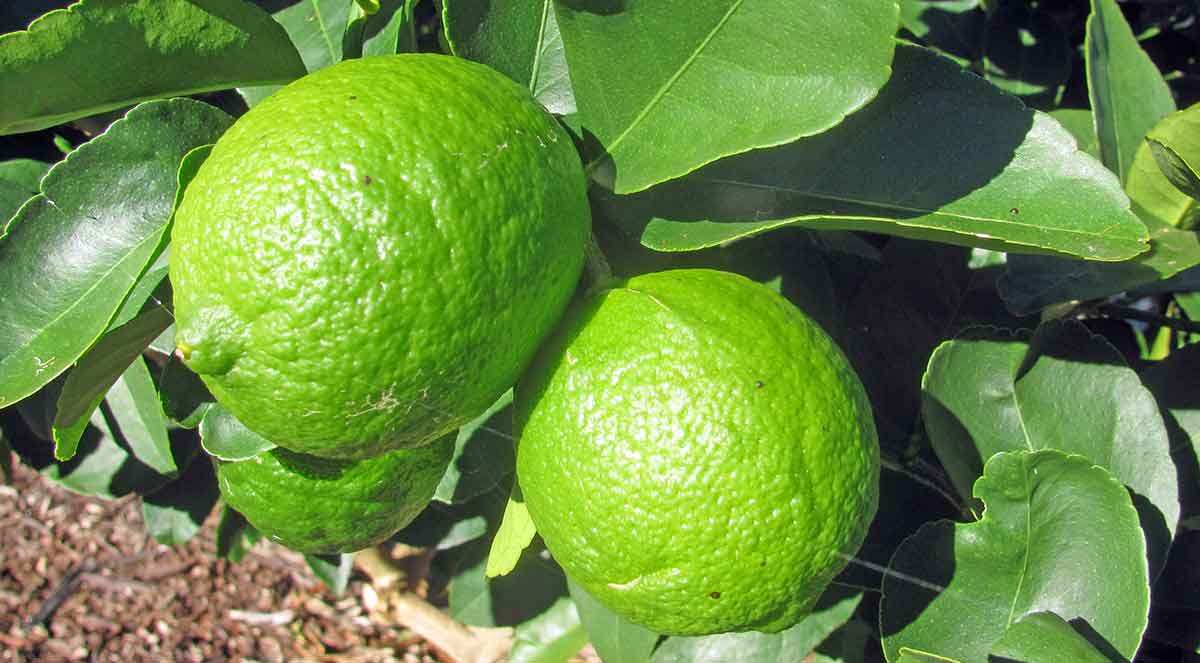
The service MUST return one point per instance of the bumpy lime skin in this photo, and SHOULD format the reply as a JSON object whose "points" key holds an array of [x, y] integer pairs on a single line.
{"points": [[325, 505], [697, 453], [371, 256]]}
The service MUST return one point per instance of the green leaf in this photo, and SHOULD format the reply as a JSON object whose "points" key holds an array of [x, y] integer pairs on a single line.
{"points": [[235, 536], [174, 513], [1045, 637], [139, 417], [615, 639], [913, 656], [1059, 533], [653, 84], [135, 50], [533, 586], [316, 29], [1128, 94], [1160, 175], [784, 647], [1064, 388], [72, 253], [223, 436], [555, 636], [333, 570], [390, 30], [18, 183], [97, 371], [185, 399], [940, 155], [483, 455], [1079, 122], [442, 526], [1026, 53], [954, 27], [519, 38], [1031, 283], [514, 536]]}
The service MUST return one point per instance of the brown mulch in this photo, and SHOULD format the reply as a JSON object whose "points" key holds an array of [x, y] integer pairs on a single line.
{"points": [[125, 598]]}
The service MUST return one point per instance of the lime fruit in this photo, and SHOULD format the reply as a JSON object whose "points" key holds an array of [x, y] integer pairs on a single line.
{"points": [[329, 505], [372, 255], [697, 453]]}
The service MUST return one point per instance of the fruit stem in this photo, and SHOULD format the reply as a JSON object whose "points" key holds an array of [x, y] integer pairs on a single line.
{"points": [[597, 272]]}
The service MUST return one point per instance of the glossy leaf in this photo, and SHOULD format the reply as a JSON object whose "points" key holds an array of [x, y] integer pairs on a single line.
{"points": [[139, 418], [514, 536], [391, 29], [97, 371], [1176, 149], [653, 84], [793, 644], [73, 252], [174, 513], [226, 438], [1046, 638], [1058, 533], [519, 38], [940, 155], [555, 636], [1079, 122], [333, 570], [1128, 94], [18, 183], [954, 27], [185, 399], [1161, 174], [483, 455], [1063, 388], [315, 28], [135, 50], [615, 639]]}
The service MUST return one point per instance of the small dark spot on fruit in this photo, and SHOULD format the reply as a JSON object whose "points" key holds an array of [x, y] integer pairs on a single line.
{"points": [[758, 384], [367, 180], [353, 97], [714, 595], [1014, 211]]}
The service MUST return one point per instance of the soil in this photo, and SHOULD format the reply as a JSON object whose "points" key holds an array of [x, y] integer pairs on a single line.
{"points": [[81, 581]]}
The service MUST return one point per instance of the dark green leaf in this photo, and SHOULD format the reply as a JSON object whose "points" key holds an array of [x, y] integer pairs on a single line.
{"points": [[235, 536], [954, 27], [615, 639], [333, 570], [224, 437], [519, 38], [185, 399], [940, 155], [1044, 637], [6, 452], [483, 455], [1128, 94], [97, 371], [135, 50], [134, 407], [653, 84], [390, 30], [18, 182], [1058, 534], [316, 29], [1026, 52], [1160, 175], [72, 254], [1031, 283], [514, 536], [533, 586], [555, 636], [784, 647], [442, 527], [1065, 388], [174, 513]]}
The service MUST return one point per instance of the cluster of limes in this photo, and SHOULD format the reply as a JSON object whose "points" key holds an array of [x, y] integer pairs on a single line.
{"points": [[374, 254]]}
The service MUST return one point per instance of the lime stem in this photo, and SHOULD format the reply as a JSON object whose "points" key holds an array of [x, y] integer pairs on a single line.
{"points": [[596, 268]]}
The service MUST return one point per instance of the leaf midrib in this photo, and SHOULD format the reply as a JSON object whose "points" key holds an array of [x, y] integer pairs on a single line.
{"points": [[666, 87]]}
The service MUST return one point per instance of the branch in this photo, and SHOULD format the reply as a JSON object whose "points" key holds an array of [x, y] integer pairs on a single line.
{"points": [[1130, 313]]}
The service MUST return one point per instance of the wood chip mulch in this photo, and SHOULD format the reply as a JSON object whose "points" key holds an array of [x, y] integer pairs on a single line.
{"points": [[81, 581]]}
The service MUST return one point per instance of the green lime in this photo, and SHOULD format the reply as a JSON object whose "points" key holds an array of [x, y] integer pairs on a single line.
{"points": [[372, 255], [697, 453], [328, 505]]}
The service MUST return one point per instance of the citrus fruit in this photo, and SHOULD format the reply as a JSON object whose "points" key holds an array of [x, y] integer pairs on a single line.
{"points": [[329, 505], [697, 453], [371, 256]]}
